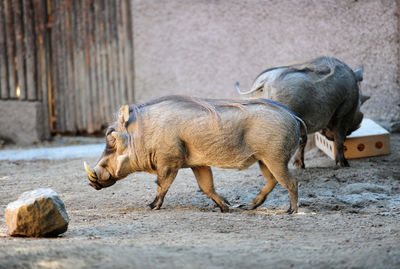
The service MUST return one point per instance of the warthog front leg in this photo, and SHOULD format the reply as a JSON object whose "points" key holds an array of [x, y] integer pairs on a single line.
{"points": [[165, 178], [204, 178]]}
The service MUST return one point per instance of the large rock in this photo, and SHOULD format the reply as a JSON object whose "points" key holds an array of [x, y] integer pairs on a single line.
{"points": [[37, 213]]}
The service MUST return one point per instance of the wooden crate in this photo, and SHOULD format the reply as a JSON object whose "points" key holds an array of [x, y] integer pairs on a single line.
{"points": [[369, 140]]}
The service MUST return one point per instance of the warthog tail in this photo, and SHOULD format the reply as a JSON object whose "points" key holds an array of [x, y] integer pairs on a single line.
{"points": [[303, 124], [244, 93]]}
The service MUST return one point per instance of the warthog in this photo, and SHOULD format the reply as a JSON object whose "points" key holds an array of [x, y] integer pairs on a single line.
{"points": [[323, 92], [170, 133]]}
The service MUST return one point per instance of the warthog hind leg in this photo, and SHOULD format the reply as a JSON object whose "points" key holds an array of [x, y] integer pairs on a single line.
{"points": [[269, 186], [204, 178], [281, 173], [340, 137]]}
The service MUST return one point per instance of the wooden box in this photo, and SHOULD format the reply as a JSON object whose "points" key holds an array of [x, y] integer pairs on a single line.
{"points": [[369, 140]]}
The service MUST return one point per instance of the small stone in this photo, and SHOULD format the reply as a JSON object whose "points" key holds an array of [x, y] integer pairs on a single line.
{"points": [[36, 213]]}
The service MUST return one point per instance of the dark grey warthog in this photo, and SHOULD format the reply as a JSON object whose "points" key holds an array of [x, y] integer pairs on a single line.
{"points": [[176, 132], [323, 92]]}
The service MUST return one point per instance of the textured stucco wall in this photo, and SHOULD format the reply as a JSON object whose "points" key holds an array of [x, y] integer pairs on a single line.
{"points": [[22, 122], [202, 47]]}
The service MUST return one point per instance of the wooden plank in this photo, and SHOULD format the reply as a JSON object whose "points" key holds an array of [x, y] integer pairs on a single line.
{"points": [[57, 65], [79, 63], [88, 102], [47, 88], [61, 96], [20, 49], [65, 109], [115, 46], [30, 50], [3, 54], [94, 97], [54, 62], [106, 74], [99, 30], [129, 49], [114, 55], [10, 37], [43, 85], [74, 46], [39, 16], [70, 80], [121, 53], [108, 54], [131, 46]]}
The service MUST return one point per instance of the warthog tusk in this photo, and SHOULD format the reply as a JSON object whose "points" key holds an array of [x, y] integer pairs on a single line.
{"points": [[92, 176]]}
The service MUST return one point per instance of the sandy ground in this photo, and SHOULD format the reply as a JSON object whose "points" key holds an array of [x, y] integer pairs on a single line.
{"points": [[349, 218]]}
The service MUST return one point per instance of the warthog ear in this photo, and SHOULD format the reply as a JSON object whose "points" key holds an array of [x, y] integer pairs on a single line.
{"points": [[121, 139], [122, 162], [359, 73], [123, 114], [364, 98]]}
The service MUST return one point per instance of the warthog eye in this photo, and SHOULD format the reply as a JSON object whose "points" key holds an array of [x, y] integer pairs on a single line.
{"points": [[110, 144], [110, 141]]}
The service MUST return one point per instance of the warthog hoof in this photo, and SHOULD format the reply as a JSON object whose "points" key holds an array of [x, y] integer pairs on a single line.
{"points": [[299, 164], [257, 201], [224, 209], [292, 210], [156, 204], [343, 163]]}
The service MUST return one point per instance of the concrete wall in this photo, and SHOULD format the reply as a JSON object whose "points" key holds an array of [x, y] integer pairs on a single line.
{"points": [[22, 122], [202, 47]]}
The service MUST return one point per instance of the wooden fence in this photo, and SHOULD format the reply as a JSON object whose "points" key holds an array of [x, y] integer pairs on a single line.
{"points": [[23, 46], [74, 56]]}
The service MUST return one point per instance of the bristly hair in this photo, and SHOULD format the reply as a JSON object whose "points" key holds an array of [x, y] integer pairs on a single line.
{"points": [[209, 105], [321, 66], [275, 103], [136, 109], [272, 69]]}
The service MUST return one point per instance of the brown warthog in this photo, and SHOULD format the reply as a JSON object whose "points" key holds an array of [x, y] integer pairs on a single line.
{"points": [[175, 132], [323, 92]]}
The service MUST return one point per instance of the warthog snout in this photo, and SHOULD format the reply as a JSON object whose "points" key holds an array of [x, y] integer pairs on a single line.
{"points": [[96, 181]]}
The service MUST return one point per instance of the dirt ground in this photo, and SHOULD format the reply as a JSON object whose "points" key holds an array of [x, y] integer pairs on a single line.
{"points": [[349, 218]]}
